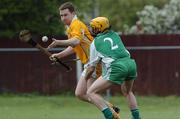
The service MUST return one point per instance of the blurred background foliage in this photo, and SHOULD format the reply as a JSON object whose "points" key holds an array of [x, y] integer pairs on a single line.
{"points": [[42, 16], [160, 21]]}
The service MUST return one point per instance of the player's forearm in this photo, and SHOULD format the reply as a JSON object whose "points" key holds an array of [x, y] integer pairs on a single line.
{"points": [[70, 42], [68, 51]]}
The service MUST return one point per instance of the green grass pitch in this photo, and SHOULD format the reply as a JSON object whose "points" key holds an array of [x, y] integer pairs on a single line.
{"points": [[68, 107]]}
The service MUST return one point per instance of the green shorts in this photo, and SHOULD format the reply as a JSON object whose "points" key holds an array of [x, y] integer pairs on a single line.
{"points": [[121, 70]]}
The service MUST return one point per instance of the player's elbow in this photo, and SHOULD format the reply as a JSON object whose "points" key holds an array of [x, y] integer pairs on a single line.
{"points": [[75, 42]]}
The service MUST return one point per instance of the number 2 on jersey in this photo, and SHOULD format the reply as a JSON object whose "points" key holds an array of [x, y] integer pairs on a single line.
{"points": [[113, 46]]}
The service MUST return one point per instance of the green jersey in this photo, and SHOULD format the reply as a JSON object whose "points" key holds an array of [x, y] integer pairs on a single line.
{"points": [[110, 45], [107, 47], [117, 65]]}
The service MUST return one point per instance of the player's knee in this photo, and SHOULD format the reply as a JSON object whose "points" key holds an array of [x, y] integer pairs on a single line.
{"points": [[125, 91], [89, 95], [79, 95]]}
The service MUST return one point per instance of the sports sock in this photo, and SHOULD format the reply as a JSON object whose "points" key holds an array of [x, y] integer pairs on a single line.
{"points": [[135, 114], [107, 113], [115, 108]]}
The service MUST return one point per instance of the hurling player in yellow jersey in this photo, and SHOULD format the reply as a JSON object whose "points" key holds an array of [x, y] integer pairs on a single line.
{"points": [[79, 40]]}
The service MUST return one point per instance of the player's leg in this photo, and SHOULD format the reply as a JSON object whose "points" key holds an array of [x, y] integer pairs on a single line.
{"points": [[81, 94], [126, 89], [98, 86], [97, 74], [81, 88]]}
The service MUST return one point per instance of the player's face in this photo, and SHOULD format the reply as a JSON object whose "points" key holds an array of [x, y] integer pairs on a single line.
{"points": [[93, 31], [66, 16]]}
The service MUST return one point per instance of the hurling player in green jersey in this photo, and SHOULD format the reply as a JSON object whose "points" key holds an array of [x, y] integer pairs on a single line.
{"points": [[117, 64]]}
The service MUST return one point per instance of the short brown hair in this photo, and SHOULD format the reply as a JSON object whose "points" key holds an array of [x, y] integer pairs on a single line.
{"points": [[67, 5]]}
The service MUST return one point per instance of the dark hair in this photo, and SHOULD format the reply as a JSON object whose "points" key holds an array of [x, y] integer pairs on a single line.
{"points": [[67, 5]]}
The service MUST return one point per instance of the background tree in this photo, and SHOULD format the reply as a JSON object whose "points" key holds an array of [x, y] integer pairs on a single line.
{"points": [[120, 12], [161, 21], [42, 16]]}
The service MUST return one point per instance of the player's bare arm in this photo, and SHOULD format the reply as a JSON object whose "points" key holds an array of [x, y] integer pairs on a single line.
{"points": [[66, 52], [70, 42]]}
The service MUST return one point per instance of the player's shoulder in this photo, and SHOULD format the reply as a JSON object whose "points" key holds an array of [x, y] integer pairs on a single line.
{"points": [[113, 34], [77, 23], [98, 40]]}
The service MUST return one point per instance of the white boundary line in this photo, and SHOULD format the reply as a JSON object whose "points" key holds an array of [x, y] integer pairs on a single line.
{"points": [[60, 49], [26, 49], [153, 48]]}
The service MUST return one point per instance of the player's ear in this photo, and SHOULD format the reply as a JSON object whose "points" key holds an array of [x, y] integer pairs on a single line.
{"points": [[73, 13]]}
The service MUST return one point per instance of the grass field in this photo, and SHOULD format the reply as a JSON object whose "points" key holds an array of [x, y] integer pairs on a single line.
{"points": [[68, 107]]}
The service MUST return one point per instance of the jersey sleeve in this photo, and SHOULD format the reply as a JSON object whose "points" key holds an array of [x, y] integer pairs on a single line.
{"points": [[94, 58], [76, 31]]}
